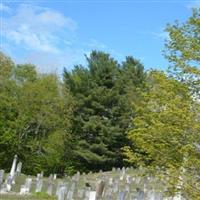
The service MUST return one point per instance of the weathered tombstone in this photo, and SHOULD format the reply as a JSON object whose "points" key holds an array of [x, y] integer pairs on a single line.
{"points": [[92, 195], [100, 189], [115, 186], [28, 184], [25, 189], [127, 187], [39, 183], [50, 185], [19, 168], [87, 194], [110, 182], [62, 192], [54, 176], [128, 179], [123, 170], [3, 188], [70, 195], [12, 171], [107, 194], [140, 194], [1, 176], [9, 182], [122, 195], [113, 169]]}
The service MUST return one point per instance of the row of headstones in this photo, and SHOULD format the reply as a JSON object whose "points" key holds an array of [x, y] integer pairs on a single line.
{"points": [[120, 187], [5, 186], [26, 188]]}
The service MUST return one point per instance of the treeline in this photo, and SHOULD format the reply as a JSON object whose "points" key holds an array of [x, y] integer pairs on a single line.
{"points": [[80, 123], [108, 114]]}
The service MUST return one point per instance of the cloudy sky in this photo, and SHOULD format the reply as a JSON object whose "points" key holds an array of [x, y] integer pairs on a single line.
{"points": [[57, 34]]}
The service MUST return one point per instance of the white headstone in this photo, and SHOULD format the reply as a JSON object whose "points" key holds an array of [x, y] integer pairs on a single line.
{"points": [[92, 195], [19, 168], [12, 171]]}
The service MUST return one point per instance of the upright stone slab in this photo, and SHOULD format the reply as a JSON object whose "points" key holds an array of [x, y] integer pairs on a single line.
{"points": [[19, 168], [39, 183], [100, 189], [122, 195], [1, 176], [25, 189], [54, 176], [50, 185], [9, 182], [92, 195], [62, 192], [140, 194], [28, 184], [12, 171]]}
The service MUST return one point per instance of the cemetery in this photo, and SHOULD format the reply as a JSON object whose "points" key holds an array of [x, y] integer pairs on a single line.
{"points": [[84, 120], [118, 184]]}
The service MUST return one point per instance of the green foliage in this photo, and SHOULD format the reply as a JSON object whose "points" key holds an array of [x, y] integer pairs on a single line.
{"points": [[182, 50], [166, 132], [35, 112], [102, 113]]}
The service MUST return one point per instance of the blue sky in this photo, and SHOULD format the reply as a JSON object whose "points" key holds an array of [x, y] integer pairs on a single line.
{"points": [[56, 34]]}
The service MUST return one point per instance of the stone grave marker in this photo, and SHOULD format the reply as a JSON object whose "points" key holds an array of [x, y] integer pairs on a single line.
{"points": [[100, 189], [19, 168], [9, 182], [122, 195], [92, 195], [12, 171], [50, 185], [39, 183], [1, 176], [62, 192], [54, 176], [25, 189]]}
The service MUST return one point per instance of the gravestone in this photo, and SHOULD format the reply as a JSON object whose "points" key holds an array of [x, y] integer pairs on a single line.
{"points": [[54, 176], [50, 185], [99, 189], [92, 195], [9, 182], [39, 183], [140, 194], [122, 195], [3, 188], [115, 186], [19, 168], [62, 192], [12, 171], [28, 184], [25, 189], [1, 176]]}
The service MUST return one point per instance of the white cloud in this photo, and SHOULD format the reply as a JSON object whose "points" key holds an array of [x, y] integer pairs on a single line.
{"points": [[46, 38], [5, 8], [37, 28]]}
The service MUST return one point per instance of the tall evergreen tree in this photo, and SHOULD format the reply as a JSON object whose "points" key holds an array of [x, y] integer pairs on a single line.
{"points": [[102, 115]]}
